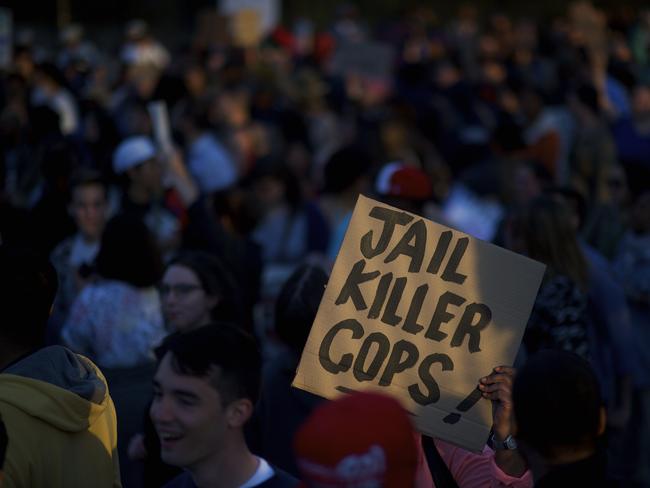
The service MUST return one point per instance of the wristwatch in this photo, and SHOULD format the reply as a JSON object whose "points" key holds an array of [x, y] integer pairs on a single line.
{"points": [[509, 443]]}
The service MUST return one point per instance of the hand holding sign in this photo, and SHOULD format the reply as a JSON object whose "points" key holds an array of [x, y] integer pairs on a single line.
{"points": [[498, 388], [421, 311]]}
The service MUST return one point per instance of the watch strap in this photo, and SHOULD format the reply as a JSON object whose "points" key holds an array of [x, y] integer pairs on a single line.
{"points": [[509, 443]]}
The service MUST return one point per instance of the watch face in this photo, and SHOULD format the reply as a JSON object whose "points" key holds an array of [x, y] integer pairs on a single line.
{"points": [[510, 442]]}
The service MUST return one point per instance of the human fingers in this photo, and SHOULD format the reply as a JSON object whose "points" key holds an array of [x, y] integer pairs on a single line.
{"points": [[507, 370], [502, 395], [496, 386], [496, 378]]}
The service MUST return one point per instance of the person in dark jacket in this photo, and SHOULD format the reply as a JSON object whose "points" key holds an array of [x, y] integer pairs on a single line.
{"points": [[282, 409], [560, 418]]}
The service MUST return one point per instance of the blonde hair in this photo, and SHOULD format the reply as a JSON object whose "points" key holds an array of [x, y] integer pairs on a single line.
{"points": [[549, 236]]}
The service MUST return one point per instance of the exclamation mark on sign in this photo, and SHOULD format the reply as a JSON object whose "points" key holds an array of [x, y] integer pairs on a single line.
{"points": [[464, 406]]}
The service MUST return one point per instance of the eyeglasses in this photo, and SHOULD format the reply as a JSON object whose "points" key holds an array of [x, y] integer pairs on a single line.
{"points": [[180, 289]]}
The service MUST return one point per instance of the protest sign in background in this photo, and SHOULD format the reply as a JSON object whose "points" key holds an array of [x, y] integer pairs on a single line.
{"points": [[162, 133], [420, 311]]}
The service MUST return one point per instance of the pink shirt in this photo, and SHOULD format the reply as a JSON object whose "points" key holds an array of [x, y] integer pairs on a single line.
{"points": [[470, 470]]}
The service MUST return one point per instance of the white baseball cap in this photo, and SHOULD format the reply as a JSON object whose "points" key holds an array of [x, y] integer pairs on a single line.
{"points": [[131, 152]]}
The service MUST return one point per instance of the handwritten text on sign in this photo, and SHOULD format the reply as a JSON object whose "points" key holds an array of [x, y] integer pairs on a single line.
{"points": [[421, 311]]}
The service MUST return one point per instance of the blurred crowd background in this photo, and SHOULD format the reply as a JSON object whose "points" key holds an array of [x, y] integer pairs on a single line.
{"points": [[247, 132]]}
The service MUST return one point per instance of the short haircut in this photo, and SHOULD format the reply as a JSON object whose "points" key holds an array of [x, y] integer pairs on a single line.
{"points": [[128, 252], [297, 304], [86, 177], [28, 285], [344, 168], [557, 402], [221, 352]]}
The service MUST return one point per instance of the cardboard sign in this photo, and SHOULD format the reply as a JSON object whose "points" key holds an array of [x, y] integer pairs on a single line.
{"points": [[246, 28], [267, 12], [420, 311]]}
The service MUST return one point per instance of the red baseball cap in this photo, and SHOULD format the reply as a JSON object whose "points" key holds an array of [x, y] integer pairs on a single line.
{"points": [[403, 181], [361, 440]]}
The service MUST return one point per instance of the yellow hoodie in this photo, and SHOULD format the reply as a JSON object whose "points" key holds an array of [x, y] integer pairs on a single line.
{"points": [[60, 422]]}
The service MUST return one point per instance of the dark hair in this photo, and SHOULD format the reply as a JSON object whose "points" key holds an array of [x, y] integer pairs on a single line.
{"points": [[44, 122], [276, 169], [197, 114], [59, 160], [587, 95], [221, 345], [28, 285], [84, 176], [556, 399], [128, 252], [344, 168], [216, 280], [297, 304], [52, 72], [534, 89], [239, 206], [508, 136]]}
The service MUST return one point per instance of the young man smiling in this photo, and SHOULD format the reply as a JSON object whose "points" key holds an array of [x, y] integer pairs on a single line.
{"points": [[205, 389]]}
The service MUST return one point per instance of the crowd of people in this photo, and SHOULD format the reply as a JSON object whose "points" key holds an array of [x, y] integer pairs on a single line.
{"points": [[192, 200]]}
